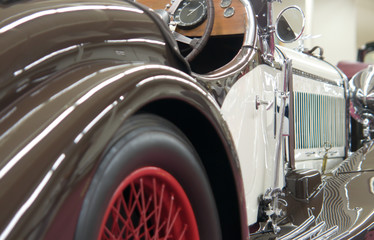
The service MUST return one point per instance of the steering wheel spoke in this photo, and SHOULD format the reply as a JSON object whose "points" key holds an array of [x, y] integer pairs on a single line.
{"points": [[192, 42], [197, 44], [174, 6]]}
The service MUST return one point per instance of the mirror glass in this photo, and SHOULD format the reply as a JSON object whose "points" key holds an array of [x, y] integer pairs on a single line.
{"points": [[290, 24]]}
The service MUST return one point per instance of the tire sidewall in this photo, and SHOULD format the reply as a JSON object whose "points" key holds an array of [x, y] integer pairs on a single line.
{"points": [[149, 141]]}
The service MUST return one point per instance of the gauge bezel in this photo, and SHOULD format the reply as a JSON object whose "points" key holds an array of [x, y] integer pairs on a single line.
{"points": [[185, 6]]}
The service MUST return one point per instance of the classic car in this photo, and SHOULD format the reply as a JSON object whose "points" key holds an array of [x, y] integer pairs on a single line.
{"points": [[152, 119]]}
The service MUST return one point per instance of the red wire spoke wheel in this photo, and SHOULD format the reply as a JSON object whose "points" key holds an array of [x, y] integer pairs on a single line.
{"points": [[149, 204]]}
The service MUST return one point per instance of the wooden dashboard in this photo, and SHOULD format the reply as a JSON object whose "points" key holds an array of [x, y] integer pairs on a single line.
{"points": [[222, 25]]}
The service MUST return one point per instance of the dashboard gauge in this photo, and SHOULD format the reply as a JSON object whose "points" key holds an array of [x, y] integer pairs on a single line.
{"points": [[229, 12], [190, 13], [225, 3]]}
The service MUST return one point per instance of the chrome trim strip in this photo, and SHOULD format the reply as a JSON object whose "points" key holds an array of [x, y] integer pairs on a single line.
{"points": [[312, 232], [299, 229], [287, 76], [314, 77], [326, 235], [292, 124]]}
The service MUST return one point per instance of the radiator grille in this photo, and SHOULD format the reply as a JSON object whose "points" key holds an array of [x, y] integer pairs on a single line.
{"points": [[318, 119]]}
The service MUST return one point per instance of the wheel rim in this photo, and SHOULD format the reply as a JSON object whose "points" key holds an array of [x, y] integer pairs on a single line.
{"points": [[149, 204]]}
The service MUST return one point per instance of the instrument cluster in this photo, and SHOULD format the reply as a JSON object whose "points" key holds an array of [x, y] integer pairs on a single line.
{"points": [[190, 15]]}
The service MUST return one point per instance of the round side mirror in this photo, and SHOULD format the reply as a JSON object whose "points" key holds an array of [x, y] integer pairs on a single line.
{"points": [[290, 24]]}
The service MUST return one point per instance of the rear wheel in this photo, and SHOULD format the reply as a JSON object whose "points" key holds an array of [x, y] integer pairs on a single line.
{"points": [[150, 185]]}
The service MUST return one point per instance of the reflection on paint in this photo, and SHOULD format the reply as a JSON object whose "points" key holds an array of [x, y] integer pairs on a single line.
{"points": [[34, 142], [15, 125], [43, 59], [32, 198], [64, 10], [94, 121]]}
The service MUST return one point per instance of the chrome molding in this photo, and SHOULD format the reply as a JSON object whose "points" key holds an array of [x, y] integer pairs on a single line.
{"points": [[294, 233], [327, 234], [287, 78], [291, 117], [312, 231], [314, 77]]}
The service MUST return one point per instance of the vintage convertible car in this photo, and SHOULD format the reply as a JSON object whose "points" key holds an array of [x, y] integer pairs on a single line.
{"points": [[175, 120]]}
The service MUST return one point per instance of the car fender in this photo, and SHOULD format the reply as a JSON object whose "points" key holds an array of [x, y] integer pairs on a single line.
{"points": [[42, 38], [59, 132]]}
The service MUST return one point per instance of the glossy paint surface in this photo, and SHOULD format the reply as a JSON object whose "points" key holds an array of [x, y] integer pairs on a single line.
{"points": [[71, 74], [312, 65], [349, 196], [41, 38], [253, 131]]}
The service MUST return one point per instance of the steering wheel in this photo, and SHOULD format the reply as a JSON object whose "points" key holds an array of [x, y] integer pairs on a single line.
{"points": [[198, 44]]}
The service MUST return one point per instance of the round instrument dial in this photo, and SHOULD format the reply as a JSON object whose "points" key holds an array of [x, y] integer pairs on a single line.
{"points": [[190, 14]]}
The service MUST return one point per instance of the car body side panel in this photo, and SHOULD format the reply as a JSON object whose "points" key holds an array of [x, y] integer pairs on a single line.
{"points": [[253, 128], [253, 131]]}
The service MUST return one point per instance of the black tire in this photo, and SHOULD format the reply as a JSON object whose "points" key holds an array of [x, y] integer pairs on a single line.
{"points": [[144, 141]]}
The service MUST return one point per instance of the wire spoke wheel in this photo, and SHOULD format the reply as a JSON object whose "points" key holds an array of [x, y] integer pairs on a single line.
{"points": [[149, 185], [149, 204]]}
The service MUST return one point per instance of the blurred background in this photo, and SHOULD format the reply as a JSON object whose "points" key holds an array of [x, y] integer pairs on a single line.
{"points": [[340, 27]]}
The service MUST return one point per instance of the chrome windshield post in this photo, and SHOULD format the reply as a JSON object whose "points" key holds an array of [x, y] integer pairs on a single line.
{"points": [[267, 35], [271, 30], [284, 94]]}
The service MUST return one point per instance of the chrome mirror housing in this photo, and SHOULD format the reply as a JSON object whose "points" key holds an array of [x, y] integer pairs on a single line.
{"points": [[361, 95], [290, 24]]}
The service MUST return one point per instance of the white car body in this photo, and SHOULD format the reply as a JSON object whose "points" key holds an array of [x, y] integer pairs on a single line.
{"points": [[253, 129]]}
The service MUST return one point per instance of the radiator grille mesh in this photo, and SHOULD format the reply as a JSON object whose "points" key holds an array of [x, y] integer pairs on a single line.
{"points": [[318, 119]]}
